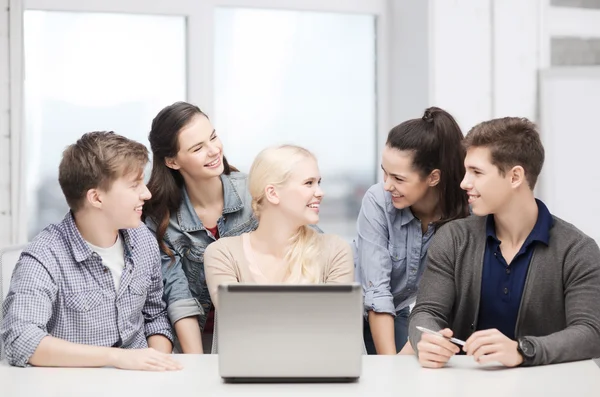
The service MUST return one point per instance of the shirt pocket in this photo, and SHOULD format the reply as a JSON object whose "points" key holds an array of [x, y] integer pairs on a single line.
{"points": [[138, 292], [398, 257], [397, 253], [85, 301], [195, 253], [139, 286], [193, 267]]}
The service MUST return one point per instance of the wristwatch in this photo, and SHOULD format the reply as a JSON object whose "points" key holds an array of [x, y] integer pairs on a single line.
{"points": [[527, 350]]}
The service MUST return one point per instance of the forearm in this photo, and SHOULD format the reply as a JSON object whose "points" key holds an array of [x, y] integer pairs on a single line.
{"points": [[160, 343], [188, 333], [54, 352], [574, 343], [382, 330]]}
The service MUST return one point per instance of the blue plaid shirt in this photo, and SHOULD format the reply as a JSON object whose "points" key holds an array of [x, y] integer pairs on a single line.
{"points": [[61, 288]]}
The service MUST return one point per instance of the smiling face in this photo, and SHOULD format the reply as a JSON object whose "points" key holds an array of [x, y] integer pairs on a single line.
{"points": [[200, 154], [406, 184], [122, 202], [300, 196], [488, 190]]}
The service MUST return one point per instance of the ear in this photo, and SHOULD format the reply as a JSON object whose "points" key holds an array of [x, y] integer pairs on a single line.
{"points": [[93, 196], [517, 176], [271, 194], [434, 178], [172, 163]]}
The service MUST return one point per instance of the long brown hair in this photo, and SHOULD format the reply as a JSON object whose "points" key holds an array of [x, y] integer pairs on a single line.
{"points": [[436, 142], [165, 183]]}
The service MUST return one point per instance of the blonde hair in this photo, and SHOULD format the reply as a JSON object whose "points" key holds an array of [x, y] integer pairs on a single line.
{"points": [[274, 166]]}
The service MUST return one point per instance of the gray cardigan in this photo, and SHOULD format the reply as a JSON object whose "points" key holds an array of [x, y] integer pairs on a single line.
{"points": [[560, 307]]}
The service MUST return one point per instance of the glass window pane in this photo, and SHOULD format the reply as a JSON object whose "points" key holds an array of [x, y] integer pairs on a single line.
{"points": [[87, 72], [305, 78], [576, 3], [574, 51]]}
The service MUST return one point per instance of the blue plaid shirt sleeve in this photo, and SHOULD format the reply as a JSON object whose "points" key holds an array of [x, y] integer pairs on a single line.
{"points": [[155, 309], [27, 309]]}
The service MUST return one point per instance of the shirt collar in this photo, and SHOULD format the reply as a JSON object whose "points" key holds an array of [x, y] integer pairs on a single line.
{"points": [[186, 214], [80, 250], [540, 231], [407, 216]]}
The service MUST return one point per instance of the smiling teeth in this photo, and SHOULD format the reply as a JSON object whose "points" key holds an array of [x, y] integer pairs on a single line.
{"points": [[213, 163], [313, 206]]}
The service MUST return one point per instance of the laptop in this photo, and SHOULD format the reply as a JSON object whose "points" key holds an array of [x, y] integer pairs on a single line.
{"points": [[290, 333]]}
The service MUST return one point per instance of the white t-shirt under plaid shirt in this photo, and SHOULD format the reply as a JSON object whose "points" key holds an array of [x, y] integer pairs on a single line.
{"points": [[60, 287], [113, 258]]}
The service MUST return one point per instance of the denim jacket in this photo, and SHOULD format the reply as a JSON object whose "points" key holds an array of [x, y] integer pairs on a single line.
{"points": [[185, 289], [389, 252]]}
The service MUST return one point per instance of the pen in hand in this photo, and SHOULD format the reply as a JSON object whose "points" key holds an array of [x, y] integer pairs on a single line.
{"points": [[453, 340]]}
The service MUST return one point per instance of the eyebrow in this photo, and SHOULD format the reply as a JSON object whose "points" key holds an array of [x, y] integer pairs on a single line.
{"points": [[201, 143], [394, 175], [313, 178], [472, 167]]}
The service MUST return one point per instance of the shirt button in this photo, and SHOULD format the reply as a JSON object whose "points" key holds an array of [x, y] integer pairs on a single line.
{"points": [[105, 269], [508, 270], [505, 291]]}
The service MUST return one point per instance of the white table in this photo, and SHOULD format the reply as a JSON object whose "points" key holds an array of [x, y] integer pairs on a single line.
{"points": [[382, 376]]}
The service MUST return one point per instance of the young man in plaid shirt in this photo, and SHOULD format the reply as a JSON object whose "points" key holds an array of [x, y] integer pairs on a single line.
{"points": [[87, 292]]}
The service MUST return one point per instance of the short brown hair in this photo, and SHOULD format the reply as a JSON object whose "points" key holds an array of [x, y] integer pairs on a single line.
{"points": [[96, 160], [512, 141]]}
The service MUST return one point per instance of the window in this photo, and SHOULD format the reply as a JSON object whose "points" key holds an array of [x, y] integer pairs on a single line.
{"points": [[576, 3], [575, 51], [87, 72], [306, 78]]}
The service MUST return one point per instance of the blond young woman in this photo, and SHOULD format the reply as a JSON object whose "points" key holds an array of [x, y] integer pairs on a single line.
{"points": [[284, 183]]}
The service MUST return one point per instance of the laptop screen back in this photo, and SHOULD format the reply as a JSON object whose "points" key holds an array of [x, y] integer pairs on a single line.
{"points": [[290, 331]]}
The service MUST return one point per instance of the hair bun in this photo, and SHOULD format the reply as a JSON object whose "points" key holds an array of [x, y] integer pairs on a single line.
{"points": [[428, 116]]}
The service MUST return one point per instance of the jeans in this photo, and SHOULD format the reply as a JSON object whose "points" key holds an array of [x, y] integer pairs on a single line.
{"points": [[400, 332]]}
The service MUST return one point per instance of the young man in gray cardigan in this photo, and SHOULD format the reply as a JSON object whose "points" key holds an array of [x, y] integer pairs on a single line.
{"points": [[520, 286]]}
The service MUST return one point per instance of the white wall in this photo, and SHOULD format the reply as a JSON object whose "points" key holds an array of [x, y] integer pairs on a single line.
{"points": [[517, 56], [485, 58], [478, 59], [5, 219], [409, 57], [461, 69], [569, 100]]}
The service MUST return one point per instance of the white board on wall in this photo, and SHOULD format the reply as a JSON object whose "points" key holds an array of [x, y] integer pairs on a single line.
{"points": [[570, 130]]}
